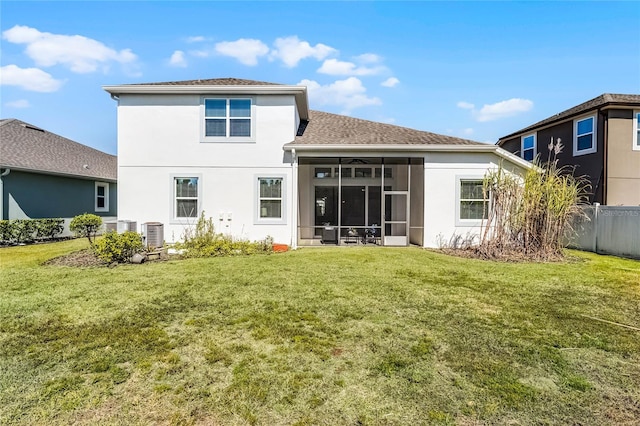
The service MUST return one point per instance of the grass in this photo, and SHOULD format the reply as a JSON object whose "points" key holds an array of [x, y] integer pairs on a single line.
{"points": [[318, 336]]}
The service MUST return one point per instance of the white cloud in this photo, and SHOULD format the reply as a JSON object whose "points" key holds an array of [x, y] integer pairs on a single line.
{"points": [[79, 53], [502, 109], [195, 39], [33, 79], [20, 103], [390, 82], [177, 59], [336, 67], [368, 58], [465, 105], [292, 50], [467, 132], [245, 50], [348, 94]]}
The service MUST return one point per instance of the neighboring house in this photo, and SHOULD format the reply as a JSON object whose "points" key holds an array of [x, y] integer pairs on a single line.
{"points": [[252, 156], [43, 175], [601, 137]]}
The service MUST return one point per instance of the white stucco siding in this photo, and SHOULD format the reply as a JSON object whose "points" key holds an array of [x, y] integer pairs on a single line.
{"points": [[443, 172], [166, 130], [147, 195]]}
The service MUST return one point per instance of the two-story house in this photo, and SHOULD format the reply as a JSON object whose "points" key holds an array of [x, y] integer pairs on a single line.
{"points": [[601, 138], [253, 156]]}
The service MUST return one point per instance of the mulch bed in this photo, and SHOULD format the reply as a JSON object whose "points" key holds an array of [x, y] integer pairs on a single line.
{"points": [[510, 257], [83, 258]]}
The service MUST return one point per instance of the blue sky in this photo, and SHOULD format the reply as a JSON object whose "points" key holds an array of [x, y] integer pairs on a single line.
{"points": [[477, 70]]}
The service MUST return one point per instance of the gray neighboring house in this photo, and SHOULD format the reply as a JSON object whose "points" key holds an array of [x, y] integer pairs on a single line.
{"points": [[44, 175]]}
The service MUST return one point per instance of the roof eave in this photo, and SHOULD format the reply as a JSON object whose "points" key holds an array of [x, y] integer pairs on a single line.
{"points": [[300, 92], [602, 107], [63, 174]]}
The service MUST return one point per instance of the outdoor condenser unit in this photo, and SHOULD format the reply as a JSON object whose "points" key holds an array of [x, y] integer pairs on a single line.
{"points": [[153, 234], [110, 226], [127, 225]]}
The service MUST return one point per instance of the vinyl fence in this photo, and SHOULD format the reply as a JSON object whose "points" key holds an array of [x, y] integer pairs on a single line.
{"points": [[609, 230]]}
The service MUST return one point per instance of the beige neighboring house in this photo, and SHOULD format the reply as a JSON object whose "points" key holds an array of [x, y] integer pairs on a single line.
{"points": [[601, 137]]}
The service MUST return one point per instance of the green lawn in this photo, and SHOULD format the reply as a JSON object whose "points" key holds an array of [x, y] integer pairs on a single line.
{"points": [[328, 336]]}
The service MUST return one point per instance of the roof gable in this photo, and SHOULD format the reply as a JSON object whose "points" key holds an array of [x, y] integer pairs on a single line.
{"points": [[27, 147]]}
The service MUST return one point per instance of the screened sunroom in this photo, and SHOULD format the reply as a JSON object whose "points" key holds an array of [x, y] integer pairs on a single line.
{"points": [[360, 200]]}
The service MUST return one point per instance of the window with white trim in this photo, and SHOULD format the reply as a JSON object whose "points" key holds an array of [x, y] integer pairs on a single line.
{"points": [[473, 205], [270, 201], [528, 147], [186, 197], [102, 197], [636, 130], [584, 135], [227, 118]]}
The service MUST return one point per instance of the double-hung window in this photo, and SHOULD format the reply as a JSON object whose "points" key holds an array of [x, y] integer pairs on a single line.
{"points": [[227, 118], [102, 197], [185, 197], [584, 136], [636, 130], [473, 205], [528, 148], [270, 199]]}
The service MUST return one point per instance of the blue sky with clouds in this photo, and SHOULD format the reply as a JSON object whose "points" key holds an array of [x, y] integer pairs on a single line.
{"points": [[477, 70]]}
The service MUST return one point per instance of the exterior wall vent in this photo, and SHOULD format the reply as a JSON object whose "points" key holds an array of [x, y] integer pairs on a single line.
{"points": [[153, 234], [127, 225]]}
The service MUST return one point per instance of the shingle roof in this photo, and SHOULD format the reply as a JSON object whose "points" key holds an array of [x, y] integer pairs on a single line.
{"points": [[210, 82], [27, 147], [331, 129], [597, 102]]}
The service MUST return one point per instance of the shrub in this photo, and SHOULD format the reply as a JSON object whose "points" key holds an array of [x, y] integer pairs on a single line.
{"points": [[114, 247], [6, 234], [203, 241], [86, 225], [49, 228], [23, 230]]}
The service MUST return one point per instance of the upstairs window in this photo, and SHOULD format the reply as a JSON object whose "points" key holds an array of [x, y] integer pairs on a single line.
{"points": [[528, 148], [227, 118], [636, 130], [584, 136], [102, 197]]}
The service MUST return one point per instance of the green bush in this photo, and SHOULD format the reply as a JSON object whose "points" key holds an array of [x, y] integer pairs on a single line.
{"points": [[6, 234], [114, 247], [49, 228], [203, 241], [23, 230], [86, 225]]}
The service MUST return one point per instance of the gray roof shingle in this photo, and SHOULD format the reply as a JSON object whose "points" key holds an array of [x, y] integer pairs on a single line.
{"points": [[600, 101], [331, 129], [209, 82], [27, 147]]}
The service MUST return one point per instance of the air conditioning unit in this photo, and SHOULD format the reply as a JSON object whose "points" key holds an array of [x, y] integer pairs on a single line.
{"points": [[127, 225], [153, 234], [110, 226]]}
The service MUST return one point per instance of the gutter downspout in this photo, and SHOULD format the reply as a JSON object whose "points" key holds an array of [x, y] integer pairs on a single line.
{"points": [[605, 159], [3, 174], [294, 200]]}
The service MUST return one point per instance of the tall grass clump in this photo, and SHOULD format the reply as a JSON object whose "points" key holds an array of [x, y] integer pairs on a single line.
{"points": [[202, 240], [532, 215]]}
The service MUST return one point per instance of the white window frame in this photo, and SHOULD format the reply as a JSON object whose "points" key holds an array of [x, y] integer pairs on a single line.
{"points": [[283, 201], [594, 136], [535, 146], [174, 198], [459, 200], [228, 118], [104, 185], [636, 137]]}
